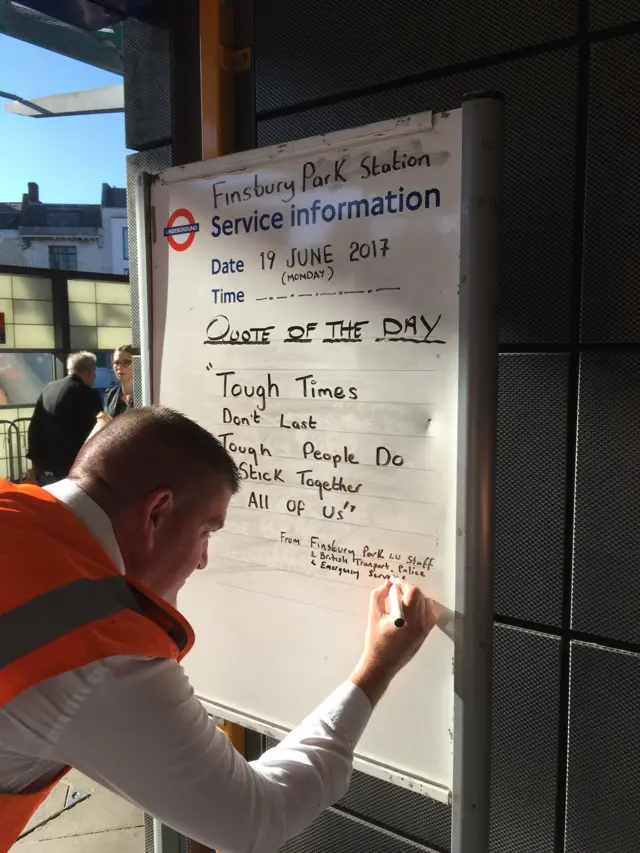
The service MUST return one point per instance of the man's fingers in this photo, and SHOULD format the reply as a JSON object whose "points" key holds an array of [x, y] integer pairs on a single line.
{"points": [[379, 598], [410, 594]]}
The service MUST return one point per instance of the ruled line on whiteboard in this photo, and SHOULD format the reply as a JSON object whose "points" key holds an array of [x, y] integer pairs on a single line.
{"points": [[287, 486], [339, 431], [262, 567], [328, 462], [284, 597], [341, 523], [425, 339], [325, 293], [225, 532], [304, 400], [335, 369]]}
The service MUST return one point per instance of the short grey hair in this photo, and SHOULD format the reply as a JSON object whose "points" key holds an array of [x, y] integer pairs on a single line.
{"points": [[78, 362]]}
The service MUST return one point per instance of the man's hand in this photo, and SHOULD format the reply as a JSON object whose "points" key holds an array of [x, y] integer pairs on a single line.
{"points": [[387, 648]]}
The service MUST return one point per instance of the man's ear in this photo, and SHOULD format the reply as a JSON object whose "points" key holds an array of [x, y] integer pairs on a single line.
{"points": [[157, 510]]}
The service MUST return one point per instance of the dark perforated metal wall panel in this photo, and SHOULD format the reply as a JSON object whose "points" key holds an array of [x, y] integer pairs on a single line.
{"points": [[606, 576], [336, 832], [525, 727], [306, 51], [398, 810], [325, 66], [532, 427], [603, 793], [147, 84], [609, 13], [420, 818], [524, 762], [611, 296], [538, 201]]}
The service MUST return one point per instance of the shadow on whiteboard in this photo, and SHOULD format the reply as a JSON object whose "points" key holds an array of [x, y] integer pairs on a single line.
{"points": [[446, 620]]}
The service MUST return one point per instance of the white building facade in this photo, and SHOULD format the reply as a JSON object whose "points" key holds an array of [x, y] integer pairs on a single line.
{"points": [[84, 237]]}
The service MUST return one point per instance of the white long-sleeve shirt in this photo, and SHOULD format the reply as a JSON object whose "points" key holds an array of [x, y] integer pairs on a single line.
{"points": [[135, 726]]}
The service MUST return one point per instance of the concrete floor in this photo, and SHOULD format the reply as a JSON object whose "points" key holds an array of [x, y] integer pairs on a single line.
{"points": [[101, 823]]}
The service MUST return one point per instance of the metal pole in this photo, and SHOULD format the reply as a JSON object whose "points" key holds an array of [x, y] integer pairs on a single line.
{"points": [[143, 243], [482, 146]]}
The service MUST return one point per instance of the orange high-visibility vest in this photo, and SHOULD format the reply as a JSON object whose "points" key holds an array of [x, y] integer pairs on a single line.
{"points": [[63, 605]]}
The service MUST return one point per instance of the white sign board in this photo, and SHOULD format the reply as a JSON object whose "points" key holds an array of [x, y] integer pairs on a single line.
{"points": [[306, 311]]}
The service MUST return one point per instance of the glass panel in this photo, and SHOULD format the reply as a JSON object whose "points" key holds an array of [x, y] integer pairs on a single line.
{"points": [[29, 287], [113, 292], [63, 257], [81, 291], [82, 314], [114, 315], [105, 377], [83, 337], [6, 308], [110, 338], [32, 312], [7, 414], [34, 337], [125, 243], [22, 378], [9, 342]]}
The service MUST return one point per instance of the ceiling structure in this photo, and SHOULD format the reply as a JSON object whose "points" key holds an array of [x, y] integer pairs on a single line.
{"points": [[88, 31]]}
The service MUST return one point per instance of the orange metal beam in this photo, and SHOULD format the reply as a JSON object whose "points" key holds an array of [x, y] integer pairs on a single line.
{"points": [[217, 66]]}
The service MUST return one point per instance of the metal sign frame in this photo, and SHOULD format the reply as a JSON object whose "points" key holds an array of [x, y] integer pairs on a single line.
{"points": [[480, 254]]}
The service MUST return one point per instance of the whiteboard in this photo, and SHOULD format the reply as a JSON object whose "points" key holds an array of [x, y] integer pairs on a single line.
{"points": [[304, 307]]}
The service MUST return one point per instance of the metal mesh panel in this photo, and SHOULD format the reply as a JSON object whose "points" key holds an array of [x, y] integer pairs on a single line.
{"points": [[419, 817], [395, 808], [530, 496], [334, 832], [611, 297], [306, 51], [525, 728], [538, 201], [606, 580], [171, 841], [147, 84], [603, 789], [608, 13], [148, 834]]}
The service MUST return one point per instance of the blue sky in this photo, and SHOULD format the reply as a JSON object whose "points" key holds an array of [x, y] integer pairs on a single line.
{"points": [[69, 158]]}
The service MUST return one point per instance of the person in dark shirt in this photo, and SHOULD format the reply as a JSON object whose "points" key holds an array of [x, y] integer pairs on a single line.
{"points": [[64, 415], [119, 397]]}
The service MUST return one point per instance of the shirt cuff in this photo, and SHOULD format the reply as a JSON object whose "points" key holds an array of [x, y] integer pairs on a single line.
{"points": [[347, 708]]}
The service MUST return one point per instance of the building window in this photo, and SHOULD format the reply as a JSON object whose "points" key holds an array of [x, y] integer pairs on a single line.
{"points": [[63, 257], [125, 243]]}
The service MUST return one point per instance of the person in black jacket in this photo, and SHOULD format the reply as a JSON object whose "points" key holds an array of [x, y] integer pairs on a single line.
{"points": [[119, 397], [64, 415]]}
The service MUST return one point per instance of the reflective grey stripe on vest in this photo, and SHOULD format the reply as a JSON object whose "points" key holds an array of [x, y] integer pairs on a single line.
{"points": [[53, 614]]}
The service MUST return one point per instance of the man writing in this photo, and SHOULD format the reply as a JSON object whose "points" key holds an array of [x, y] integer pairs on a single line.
{"points": [[89, 644]]}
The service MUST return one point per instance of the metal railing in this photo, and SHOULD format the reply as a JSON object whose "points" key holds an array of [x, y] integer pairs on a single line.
{"points": [[13, 450]]}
